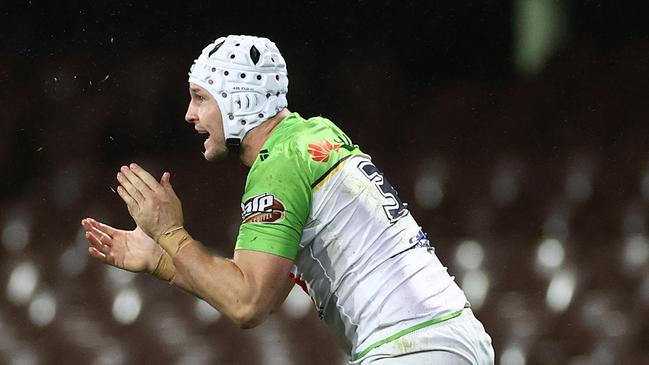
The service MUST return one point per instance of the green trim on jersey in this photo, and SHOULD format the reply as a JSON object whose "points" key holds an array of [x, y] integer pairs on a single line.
{"points": [[332, 171], [299, 154], [406, 331]]}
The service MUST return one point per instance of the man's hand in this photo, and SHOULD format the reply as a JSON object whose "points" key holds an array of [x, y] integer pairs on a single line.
{"points": [[128, 250], [154, 206]]}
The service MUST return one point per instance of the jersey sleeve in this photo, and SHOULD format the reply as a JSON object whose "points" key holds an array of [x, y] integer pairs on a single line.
{"points": [[276, 203]]}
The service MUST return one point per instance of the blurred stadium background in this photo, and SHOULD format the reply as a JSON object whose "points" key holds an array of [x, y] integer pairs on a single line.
{"points": [[517, 131]]}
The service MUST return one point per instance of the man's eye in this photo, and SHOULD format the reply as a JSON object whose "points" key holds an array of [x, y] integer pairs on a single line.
{"points": [[201, 98]]}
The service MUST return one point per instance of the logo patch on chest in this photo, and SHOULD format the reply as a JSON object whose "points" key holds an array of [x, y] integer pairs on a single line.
{"points": [[320, 150], [262, 208]]}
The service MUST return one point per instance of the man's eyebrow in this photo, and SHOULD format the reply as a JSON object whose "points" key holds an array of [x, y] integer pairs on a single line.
{"points": [[194, 90]]}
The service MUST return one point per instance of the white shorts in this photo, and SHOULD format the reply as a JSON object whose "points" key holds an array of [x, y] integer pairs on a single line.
{"points": [[459, 341]]}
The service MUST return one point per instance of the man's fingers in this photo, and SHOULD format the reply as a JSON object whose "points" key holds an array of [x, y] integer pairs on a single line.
{"points": [[144, 176], [97, 243], [134, 179], [89, 227], [131, 188], [106, 259], [105, 228], [166, 184], [103, 237], [130, 202], [86, 223], [96, 254]]}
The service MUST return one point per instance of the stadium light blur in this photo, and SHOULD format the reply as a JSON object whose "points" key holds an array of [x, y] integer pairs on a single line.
{"points": [[272, 344], [74, 258], [634, 219], [475, 284], [169, 328], [505, 182], [617, 324], [25, 354], [205, 312], [643, 289], [298, 304], [430, 184], [635, 255], [560, 291], [579, 184], [513, 354], [644, 183], [595, 306], [429, 191], [42, 308], [557, 223], [522, 323], [197, 351], [111, 352], [15, 234], [116, 279], [550, 255], [539, 26], [604, 352], [127, 306], [469, 255], [22, 283]]}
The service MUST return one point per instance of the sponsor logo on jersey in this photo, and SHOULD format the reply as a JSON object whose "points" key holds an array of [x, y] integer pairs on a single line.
{"points": [[345, 143], [262, 208], [320, 150], [263, 154], [420, 240]]}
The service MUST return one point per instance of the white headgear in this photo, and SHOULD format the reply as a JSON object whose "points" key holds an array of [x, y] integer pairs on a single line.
{"points": [[247, 76]]}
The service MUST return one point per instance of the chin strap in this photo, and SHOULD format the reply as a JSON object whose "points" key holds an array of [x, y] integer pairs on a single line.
{"points": [[233, 144]]}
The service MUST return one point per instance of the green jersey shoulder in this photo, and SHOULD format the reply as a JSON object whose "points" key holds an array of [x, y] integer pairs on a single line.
{"points": [[298, 156]]}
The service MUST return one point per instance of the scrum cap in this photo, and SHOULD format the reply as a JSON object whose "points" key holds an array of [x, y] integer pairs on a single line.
{"points": [[247, 76]]}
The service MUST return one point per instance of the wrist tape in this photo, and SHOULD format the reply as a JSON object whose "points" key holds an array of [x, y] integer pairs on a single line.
{"points": [[165, 269], [173, 240]]}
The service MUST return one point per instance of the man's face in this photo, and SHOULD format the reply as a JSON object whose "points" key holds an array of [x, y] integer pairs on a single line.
{"points": [[204, 113]]}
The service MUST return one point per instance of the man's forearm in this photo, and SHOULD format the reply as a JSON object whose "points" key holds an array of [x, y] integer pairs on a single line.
{"points": [[217, 280]]}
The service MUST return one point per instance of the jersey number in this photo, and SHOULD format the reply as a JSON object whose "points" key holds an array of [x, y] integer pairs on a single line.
{"points": [[394, 208]]}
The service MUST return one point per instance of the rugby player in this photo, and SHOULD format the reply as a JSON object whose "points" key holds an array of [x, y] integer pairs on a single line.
{"points": [[316, 211]]}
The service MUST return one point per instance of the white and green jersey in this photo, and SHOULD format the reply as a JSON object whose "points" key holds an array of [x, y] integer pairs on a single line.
{"points": [[315, 198]]}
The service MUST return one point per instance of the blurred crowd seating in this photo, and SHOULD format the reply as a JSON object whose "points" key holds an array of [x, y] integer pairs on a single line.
{"points": [[534, 193]]}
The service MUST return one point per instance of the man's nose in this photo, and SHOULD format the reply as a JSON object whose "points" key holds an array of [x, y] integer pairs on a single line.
{"points": [[191, 116]]}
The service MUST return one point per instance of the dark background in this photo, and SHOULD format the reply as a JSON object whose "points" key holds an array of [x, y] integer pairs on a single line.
{"points": [[430, 89]]}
